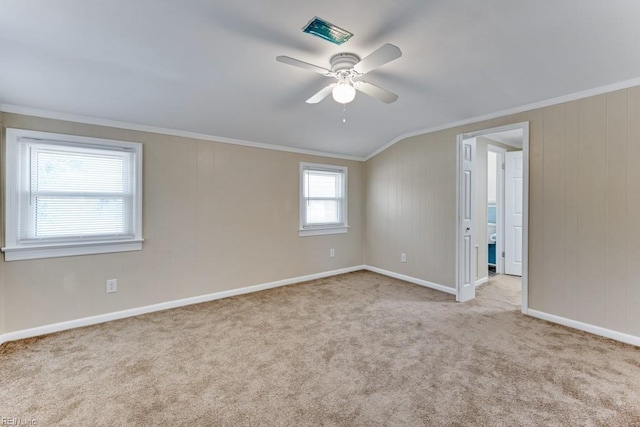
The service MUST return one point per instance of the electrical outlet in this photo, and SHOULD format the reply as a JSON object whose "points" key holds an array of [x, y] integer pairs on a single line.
{"points": [[332, 252], [403, 257], [112, 286]]}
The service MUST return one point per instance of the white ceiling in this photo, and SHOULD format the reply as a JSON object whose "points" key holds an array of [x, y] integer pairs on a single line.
{"points": [[209, 66]]}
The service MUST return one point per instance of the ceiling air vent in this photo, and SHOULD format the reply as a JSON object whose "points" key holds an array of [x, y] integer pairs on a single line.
{"points": [[327, 31]]}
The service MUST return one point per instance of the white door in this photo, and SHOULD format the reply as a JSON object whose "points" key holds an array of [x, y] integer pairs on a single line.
{"points": [[513, 213], [466, 260]]}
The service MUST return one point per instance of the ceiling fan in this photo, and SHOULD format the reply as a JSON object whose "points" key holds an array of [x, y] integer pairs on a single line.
{"points": [[347, 68]]}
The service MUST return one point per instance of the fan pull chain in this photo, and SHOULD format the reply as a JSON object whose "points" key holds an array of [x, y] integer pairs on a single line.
{"points": [[344, 113]]}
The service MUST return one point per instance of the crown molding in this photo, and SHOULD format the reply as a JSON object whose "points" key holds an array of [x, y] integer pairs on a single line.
{"points": [[28, 111], [515, 110]]}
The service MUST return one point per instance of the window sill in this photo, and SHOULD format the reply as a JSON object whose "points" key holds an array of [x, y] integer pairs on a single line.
{"points": [[70, 249], [322, 231]]}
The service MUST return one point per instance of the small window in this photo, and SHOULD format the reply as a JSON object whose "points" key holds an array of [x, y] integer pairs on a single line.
{"points": [[323, 199], [70, 195]]}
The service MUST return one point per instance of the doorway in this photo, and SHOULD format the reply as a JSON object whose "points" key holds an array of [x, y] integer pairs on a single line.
{"points": [[492, 206]]}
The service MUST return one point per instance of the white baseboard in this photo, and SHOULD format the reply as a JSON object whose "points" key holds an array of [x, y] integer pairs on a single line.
{"points": [[592, 329], [410, 279], [93, 320], [482, 281]]}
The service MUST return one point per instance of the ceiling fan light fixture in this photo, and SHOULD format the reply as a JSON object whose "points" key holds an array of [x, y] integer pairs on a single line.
{"points": [[343, 92], [347, 68]]}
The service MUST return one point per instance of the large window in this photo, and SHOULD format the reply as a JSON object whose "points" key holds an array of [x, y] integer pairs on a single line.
{"points": [[323, 199], [69, 195]]}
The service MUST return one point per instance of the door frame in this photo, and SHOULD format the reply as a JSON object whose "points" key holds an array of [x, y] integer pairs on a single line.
{"points": [[525, 202]]}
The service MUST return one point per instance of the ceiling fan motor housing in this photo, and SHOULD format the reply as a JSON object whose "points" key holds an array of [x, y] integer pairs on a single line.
{"points": [[343, 62]]}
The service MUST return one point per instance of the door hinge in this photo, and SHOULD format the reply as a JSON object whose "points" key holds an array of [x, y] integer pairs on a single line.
{"points": [[503, 166], [502, 254]]}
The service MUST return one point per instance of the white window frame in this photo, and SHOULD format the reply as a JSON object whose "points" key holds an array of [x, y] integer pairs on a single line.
{"points": [[320, 229], [15, 249]]}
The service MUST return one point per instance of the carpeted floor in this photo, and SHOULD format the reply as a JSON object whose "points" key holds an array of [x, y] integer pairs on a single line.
{"points": [[355, 350]]}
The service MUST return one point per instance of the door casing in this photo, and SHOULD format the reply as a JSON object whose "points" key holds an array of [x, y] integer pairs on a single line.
{"points": [[525, 206]]}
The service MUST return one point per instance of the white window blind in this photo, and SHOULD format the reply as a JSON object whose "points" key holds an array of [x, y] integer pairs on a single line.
{"points": [[323, 198], [76, 192], [71, 191]]}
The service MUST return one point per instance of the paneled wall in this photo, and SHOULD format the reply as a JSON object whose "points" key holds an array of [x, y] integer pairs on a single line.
{"points": [[410, 199], [216, 217], [591, 193], [584, 192], [219, 217]]}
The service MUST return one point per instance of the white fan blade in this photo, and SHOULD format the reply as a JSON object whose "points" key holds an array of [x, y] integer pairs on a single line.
{"points": [[376, 92], [322, 94], [386, 53], [305, 65]]}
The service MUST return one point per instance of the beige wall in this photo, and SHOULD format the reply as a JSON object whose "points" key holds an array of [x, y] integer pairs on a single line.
{"points": [[216, 217], [584, 195], [480, 168], [410, 198]]}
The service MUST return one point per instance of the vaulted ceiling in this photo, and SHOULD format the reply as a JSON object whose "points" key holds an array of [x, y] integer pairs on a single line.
{"points": [[209, 66]]}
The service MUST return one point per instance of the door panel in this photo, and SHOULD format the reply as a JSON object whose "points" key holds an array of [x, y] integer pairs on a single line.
{"points": [[466, 267], [513, 213]]}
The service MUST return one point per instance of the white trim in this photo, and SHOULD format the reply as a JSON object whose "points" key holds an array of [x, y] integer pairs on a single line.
{"points": [[93, 320], [426, 284], [525, 208], [16, 249], [592, 329], [102, 318], [525, 218], [457, 245], [482, 281], [515, 110], [318, 230], [487, 131], [321, 231], [28, 111], [62, 250]]}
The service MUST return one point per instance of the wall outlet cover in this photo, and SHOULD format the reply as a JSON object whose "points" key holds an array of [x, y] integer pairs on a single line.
{"points": [[112, 285]]}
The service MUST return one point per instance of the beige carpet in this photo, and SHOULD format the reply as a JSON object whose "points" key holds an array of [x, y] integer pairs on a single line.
{"points": [[356, 350]]}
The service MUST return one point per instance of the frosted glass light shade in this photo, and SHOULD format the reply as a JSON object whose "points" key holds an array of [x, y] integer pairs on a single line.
{"points": [[343, 93]]}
